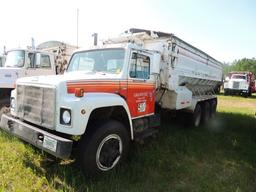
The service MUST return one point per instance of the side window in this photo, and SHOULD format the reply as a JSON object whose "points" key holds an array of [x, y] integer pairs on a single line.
{"points": [[30, 59], [45, 61], [139, 66]]}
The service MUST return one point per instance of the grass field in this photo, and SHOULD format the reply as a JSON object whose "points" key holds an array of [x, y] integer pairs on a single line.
{"points": [[220, 156]]}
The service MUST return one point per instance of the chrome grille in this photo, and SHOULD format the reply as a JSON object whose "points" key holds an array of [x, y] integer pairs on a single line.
{"points": [[235, 85], [36, 105]]}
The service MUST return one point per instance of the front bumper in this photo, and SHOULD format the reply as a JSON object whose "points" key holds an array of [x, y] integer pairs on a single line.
{"points": [[53, 144], [236, 91]]}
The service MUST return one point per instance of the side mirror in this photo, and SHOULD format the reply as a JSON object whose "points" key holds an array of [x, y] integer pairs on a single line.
{"points": [[155, 64], [227, 79], [38, 59]]}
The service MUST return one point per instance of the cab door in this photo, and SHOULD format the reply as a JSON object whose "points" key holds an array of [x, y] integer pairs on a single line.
{"points": [[140, 85], [39, 64]]}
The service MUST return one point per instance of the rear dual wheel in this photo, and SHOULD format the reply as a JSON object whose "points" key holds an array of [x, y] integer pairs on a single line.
{"points": [[196, 116], [206, 112], [203, 112], [213, 108]]}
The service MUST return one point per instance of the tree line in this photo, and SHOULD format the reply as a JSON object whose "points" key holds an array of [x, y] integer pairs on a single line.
{"points": [[244, 64]]}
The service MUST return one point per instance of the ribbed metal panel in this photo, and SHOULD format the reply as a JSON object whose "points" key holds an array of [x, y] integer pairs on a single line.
{"points": [[235, 85], [36, 105]]}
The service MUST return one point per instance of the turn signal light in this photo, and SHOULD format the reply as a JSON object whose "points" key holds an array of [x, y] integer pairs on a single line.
{"points": [[79, 92]]}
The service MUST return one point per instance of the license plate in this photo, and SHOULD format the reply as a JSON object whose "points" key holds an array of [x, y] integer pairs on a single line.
{"points": [[50, 143]]}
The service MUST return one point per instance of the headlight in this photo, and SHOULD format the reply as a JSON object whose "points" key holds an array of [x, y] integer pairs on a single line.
{"points": [[65, 116], [12, 104]]}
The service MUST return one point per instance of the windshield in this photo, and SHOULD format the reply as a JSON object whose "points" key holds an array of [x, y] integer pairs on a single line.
{"points": [[15, 59], [104, 60], [238, 77]]}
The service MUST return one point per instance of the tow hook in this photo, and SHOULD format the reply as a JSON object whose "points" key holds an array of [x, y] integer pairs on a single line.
{"points": [[40, 138], [10, 124]]}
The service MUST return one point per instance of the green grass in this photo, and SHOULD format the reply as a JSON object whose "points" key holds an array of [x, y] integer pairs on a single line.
{"points": [[218, 157]]}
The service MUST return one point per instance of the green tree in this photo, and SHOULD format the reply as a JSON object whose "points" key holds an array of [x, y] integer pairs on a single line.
{"points": [[244, 64]]}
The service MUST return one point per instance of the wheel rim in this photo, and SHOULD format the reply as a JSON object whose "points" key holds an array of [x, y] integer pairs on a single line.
{"points": [[109, 152]]}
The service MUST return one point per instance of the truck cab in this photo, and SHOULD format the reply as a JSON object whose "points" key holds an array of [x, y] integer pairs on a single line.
{"points": [[241, 83], [23, 63]]}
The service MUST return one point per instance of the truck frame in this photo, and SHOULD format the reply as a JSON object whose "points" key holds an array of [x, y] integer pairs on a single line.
{"points": [[112, 95]]}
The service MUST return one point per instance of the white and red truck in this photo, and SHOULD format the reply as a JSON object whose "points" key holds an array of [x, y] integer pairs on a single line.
{"points": [[240, 82], [112, 95]]}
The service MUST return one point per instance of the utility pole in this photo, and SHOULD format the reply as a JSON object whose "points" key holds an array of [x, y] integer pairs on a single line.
{"points": [[5, 52], [77, 22]]}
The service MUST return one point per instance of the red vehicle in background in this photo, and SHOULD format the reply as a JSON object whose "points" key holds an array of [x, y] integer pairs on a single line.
{"points": [[240, 82]]}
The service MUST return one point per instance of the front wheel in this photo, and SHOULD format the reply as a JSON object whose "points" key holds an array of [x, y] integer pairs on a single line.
{"points": [[249, 93], [105, 148]]}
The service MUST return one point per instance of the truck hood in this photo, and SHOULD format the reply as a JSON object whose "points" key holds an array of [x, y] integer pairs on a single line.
{"points": [[8, 76], [238, 80], [67, 77]]}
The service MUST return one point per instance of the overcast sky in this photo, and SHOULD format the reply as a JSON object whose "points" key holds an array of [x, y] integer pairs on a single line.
{"points": [[225, 29]]}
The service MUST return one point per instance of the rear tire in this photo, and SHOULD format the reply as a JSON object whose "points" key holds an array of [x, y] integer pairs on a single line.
{"points": [[213, 106], [104, 149], [206, 112], [196, 116]]}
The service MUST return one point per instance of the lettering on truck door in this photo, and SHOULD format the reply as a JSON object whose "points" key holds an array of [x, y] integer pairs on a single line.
{"points": [[141, 87]]}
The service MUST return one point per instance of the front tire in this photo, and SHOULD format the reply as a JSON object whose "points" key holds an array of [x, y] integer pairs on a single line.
{"points": [[226, 92], [249, 92], [104, 149]]}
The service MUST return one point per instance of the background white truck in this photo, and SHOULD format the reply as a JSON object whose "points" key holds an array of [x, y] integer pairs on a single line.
{"points": [[22, 63], [48, 58], [240, 82], [111, 95]]}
